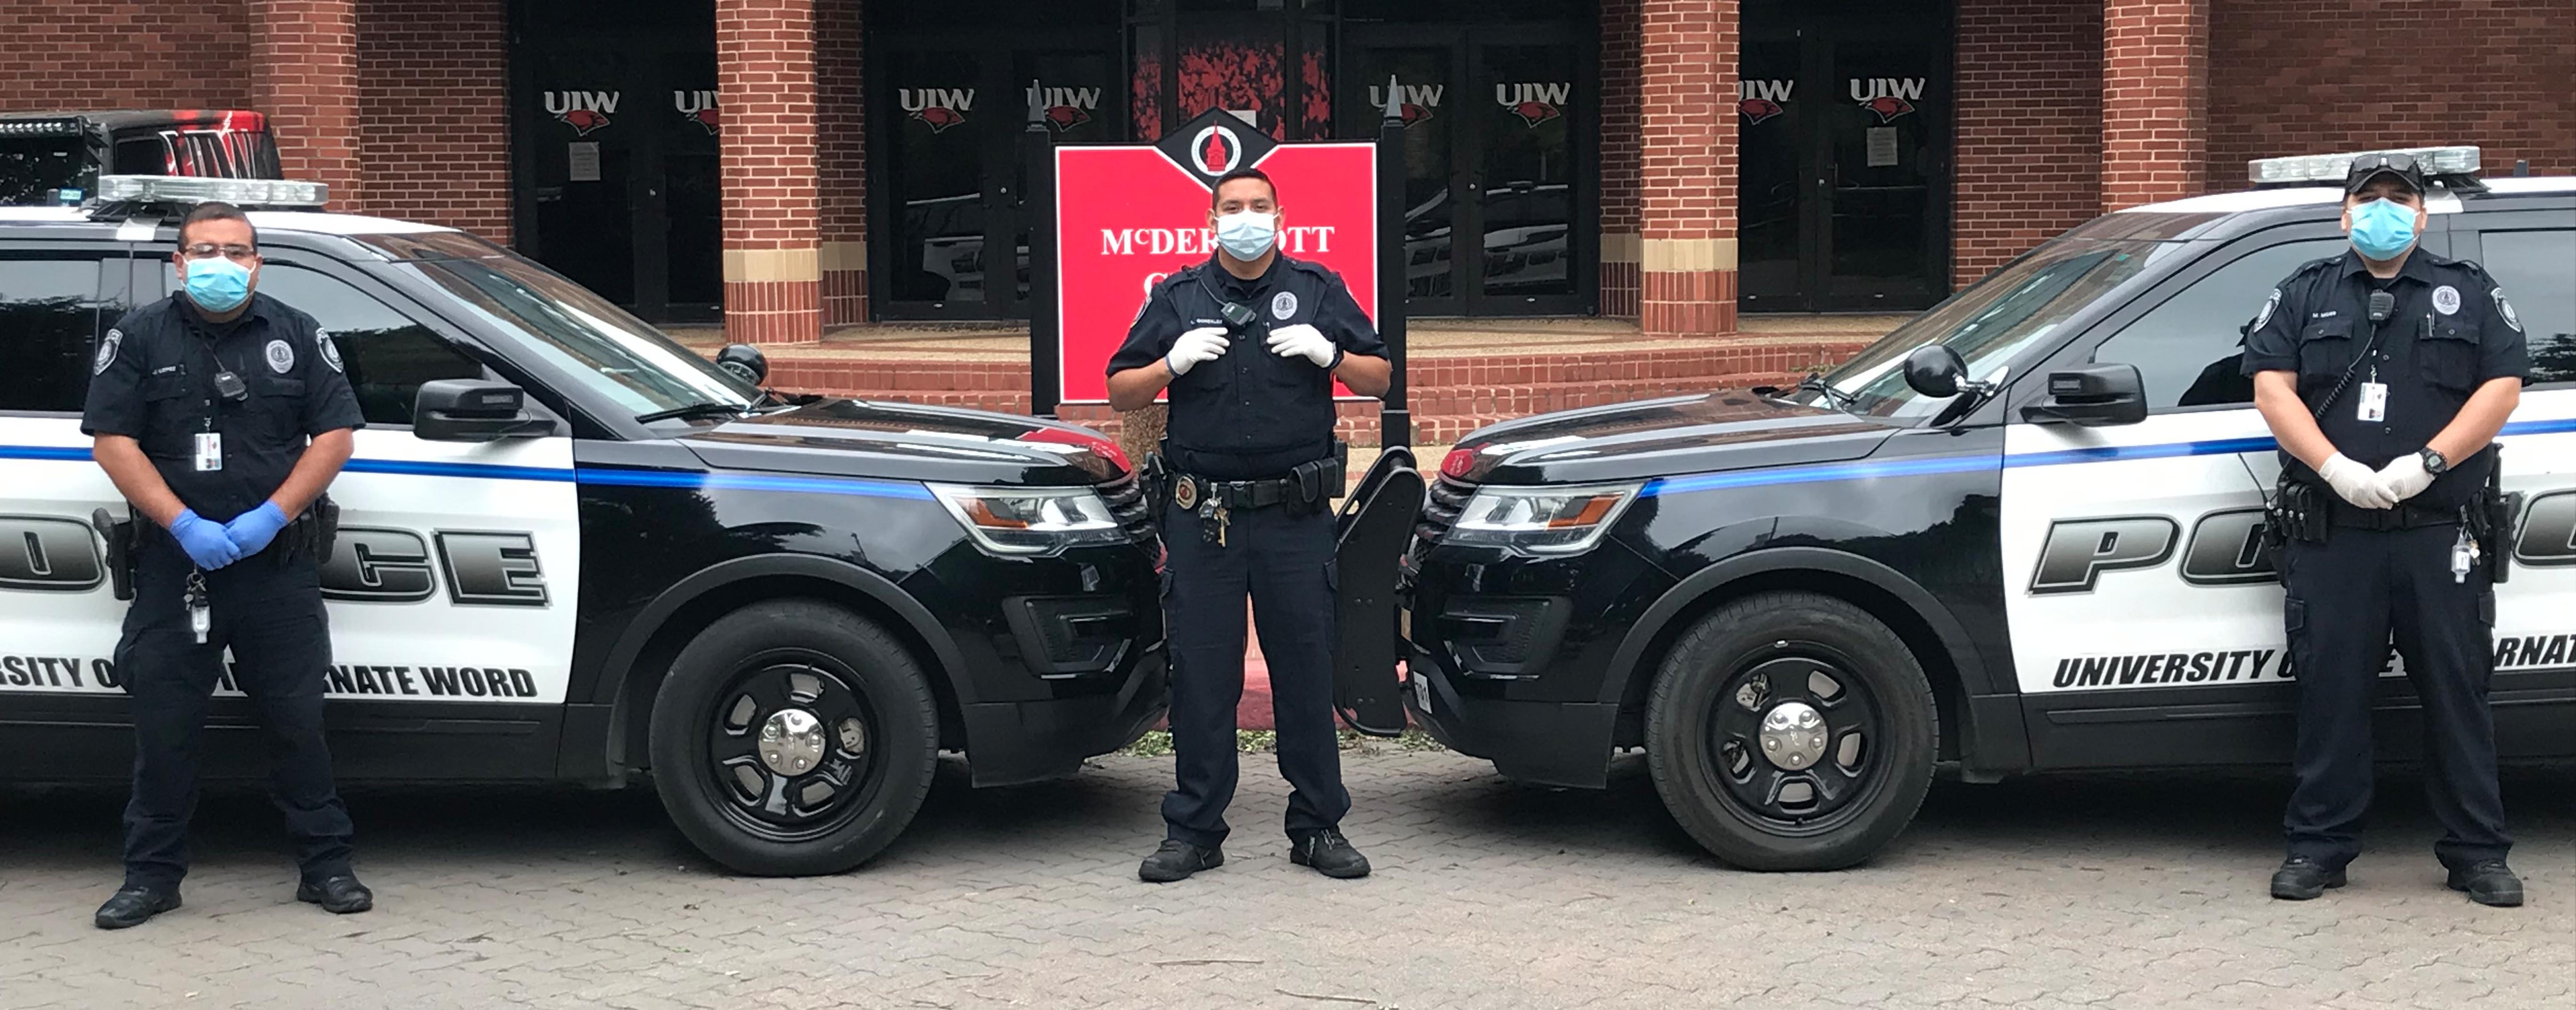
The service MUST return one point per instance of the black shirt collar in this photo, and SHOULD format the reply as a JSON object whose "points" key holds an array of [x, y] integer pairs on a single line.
{"points": [[259, 310], [1216, 267], [2418, 266]]}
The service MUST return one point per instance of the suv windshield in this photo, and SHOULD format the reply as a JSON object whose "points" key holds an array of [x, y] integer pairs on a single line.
{"points": [[32, 168], [1991, 323], [617, 355]]}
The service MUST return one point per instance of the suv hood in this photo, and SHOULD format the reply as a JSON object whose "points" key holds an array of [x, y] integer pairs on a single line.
{"points": [[1660, 438], [903, 441]]}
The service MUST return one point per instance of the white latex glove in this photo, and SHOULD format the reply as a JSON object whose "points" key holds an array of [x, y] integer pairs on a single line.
{"points": [[1303, 341], [1203, 344], [2405, 476], [2357, 484]]}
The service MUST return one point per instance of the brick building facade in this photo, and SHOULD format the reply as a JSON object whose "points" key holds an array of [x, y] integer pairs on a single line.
{"points": [[2031, 116]]}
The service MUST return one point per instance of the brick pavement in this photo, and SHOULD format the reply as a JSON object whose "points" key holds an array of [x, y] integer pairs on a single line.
{"points": [[2113, 892]]}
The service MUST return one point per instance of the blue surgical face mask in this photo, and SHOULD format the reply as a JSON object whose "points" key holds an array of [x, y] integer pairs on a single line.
{"points": [[217, 284], [2382, 229], [1246, 234]]}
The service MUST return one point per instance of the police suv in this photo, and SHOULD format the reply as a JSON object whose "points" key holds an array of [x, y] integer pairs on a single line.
{"points": [[2022, 533], [569, 549]]}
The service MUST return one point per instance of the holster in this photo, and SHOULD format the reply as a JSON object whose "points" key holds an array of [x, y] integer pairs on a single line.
{"points": [[119, 535], [2489, 519], [1154, 479], [2298, 511], [312, 534], [1320, 481]]}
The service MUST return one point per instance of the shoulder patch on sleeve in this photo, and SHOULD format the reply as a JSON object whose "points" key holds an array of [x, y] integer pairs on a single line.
{"points": [[2504, 309], [330, 351], [115, 338], [2270, 305]]}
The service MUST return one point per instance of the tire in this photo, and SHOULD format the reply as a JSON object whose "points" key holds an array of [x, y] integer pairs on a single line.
{"points": [[1705, 746], [869, 739]]}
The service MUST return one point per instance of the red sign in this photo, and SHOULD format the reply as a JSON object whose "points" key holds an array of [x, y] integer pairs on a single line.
{"points": [[1128, 216]]}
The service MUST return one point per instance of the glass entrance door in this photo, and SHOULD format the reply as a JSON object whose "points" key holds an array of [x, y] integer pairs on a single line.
{"points": [[949, 122], [1496, 152], [1842, 113]]}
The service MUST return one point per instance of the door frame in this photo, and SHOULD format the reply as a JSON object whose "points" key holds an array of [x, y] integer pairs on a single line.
{"points": [[1467, 146], [998, 161], [1818, 32]]}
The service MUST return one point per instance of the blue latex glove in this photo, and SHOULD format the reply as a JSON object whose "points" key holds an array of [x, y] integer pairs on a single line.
{"points": [[252, 530], [208, 543]]}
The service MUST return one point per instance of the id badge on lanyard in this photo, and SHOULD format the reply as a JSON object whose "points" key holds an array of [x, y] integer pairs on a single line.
{"points": [[210, 451], [2374, 402]]}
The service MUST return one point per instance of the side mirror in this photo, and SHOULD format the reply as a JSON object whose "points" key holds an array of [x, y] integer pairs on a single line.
{"points": [[2092, 396], [744, 361], [1935, 370], [472, 410]]}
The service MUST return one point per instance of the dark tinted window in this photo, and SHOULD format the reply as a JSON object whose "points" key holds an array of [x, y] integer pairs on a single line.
{"points": [[387, 355], [2191, 349], [49, 320], [2537, 270], [32, 168]]}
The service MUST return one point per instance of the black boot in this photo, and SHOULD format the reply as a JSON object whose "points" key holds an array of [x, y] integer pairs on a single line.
{"points": [[1329, 853], [338, 895], [130, 906], [1176, 860], [2301, 878], [2488, 882]]}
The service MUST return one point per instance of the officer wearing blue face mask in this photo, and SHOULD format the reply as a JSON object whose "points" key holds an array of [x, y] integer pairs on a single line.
{"points": [[2385, 374], [222, 415], [1249, 344]]}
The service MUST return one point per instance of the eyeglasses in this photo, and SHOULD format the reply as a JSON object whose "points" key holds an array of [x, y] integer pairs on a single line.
{"points": [[208, 250]]}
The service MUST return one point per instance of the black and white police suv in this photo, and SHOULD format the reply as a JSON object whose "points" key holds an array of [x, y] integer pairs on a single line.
{"points": [[569, 549], [2020, 534]]}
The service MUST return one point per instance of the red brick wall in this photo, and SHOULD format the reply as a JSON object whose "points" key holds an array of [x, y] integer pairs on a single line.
{"points": [[842, 147], [304, 76], [90, 54], [2496, 73], [1620, 219], [2029, 147], [1687, 66], [765, 84], [433, 105], [2155, 101]]}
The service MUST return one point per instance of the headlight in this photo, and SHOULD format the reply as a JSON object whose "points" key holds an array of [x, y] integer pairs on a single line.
{"points": [[1030, 522], [1541, 520]]}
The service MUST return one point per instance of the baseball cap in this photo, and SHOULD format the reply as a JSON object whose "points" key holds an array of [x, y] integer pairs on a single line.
{"points": [[2378, 163]]}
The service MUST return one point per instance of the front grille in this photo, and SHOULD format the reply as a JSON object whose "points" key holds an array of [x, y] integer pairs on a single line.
{"points": [[1126, 498], [1440, 510]]}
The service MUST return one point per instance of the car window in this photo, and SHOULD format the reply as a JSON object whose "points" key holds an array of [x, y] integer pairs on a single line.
{"points": [[386, 353], [2191, 349], [2537, 270], [50, 318]]}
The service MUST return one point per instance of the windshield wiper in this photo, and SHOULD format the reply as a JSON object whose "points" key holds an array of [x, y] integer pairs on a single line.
{"points": [[693, 410], [1815, 383]]}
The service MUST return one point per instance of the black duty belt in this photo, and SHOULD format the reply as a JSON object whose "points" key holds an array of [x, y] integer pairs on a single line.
{"points": [[1190, 491], [2406, 516]]}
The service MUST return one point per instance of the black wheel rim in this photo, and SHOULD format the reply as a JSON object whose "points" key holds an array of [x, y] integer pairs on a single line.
{"points": [[1756, 782], [760, 784]]}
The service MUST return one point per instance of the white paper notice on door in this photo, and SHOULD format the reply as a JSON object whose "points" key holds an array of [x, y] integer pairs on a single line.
{"points": [[1882, 146], [585, 160]]}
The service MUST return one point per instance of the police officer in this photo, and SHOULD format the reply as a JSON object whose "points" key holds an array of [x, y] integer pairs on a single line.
{"points": [[2385, 374], [220, 414], [1249, 344]]}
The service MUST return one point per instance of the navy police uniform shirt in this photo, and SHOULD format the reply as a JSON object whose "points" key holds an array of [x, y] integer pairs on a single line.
{"points": [[1249, 413], [2450, 333], [153, 380]]}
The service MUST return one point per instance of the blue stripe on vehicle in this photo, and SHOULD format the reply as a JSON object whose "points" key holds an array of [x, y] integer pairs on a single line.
{"points": [[1861, 470], [584, 475], [2107, 453]]}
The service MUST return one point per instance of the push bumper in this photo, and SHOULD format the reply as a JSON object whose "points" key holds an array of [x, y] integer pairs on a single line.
{"points": [[1549, 743]]}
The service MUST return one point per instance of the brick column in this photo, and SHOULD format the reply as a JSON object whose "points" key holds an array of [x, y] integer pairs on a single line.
{"points": [[2155, 100], [840, 93], [304, 75], [772, 244], [1620, 248], [1687, 56]]}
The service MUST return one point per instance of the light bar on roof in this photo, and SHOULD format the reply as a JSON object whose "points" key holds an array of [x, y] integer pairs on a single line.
{"points": [[192, 189], [2331, 168], [37, 127]]}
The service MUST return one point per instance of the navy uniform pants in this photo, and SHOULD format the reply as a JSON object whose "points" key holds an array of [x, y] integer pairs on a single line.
{"points": [[2347, 597], [268, 610], [1284, 561]]}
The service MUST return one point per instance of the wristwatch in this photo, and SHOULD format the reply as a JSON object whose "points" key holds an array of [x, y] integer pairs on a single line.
{"points": [[2433, 462]]}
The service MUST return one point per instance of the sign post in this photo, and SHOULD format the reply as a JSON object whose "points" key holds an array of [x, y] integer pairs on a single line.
{"points": [[1118, 218], [1395, 419]]}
